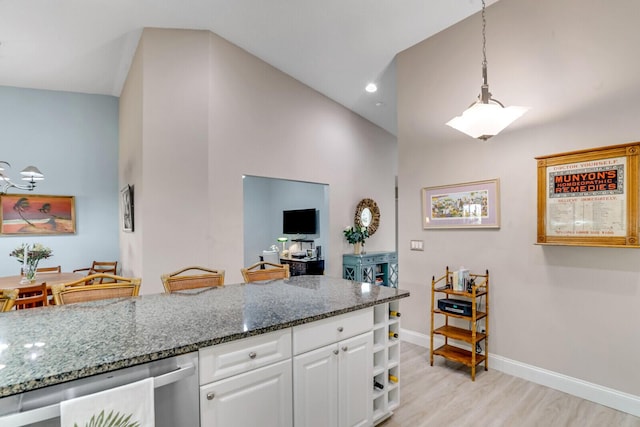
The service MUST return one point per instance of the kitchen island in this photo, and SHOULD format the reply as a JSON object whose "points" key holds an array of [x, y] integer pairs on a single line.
{"points": [[53, 345]]}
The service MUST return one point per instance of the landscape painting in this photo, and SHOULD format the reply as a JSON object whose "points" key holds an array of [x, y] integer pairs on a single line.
{"points": [[37, 214]]}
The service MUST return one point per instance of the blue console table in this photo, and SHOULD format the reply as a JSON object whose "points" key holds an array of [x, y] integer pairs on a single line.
{"points": [[380, 268]]}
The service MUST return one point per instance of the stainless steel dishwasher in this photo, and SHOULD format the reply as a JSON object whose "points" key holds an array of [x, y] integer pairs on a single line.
{"points": [[175, 398]]}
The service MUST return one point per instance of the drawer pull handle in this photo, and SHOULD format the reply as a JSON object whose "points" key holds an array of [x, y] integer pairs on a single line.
{"points": [[345, 348], [340, 329], [336, 351], [252, 355], [210, 395]]}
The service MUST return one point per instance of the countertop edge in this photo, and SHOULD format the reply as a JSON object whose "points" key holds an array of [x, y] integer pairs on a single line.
{"points": [[39, 383]]}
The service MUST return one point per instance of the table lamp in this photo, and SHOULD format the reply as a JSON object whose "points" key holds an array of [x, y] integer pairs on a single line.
{"points": [[283, 240]]}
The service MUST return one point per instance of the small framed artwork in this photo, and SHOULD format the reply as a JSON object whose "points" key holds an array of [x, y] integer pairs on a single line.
{"points": [[127, 208], [467, 205], [37, 214], [590, 197]]}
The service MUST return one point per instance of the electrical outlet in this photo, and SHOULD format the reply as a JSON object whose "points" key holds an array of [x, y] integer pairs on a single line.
{"points": [[417, 245]]}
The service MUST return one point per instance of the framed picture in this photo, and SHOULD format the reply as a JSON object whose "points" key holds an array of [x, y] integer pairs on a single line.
{"points": [[468, 205], [589, 197], [127, 208], [37, 214]]}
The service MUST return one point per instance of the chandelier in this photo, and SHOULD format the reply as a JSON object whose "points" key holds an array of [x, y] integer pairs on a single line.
{"points": [[487, 116], [31, 174]]}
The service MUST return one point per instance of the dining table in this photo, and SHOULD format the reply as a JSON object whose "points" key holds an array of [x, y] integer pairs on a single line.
{"points": [[13, 282]]}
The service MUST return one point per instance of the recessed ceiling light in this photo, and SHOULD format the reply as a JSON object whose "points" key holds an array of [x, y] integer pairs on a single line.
{"points": [[371, 87], [379, 104]]}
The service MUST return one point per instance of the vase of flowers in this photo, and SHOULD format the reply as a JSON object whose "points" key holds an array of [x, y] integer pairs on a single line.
{"points": [[356, 236], [29, 256]]}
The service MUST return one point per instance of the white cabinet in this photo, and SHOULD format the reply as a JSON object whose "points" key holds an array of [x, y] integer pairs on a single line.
{"points": [[261, 397], [355, 366], [332, 384], [248, 382], [315, 374]]}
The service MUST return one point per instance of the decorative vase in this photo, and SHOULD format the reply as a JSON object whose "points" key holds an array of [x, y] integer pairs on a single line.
{"points": [[357, 247], [29, 273]]}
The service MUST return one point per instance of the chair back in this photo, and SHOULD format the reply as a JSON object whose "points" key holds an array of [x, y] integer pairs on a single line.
{"points": [[57, 269], [90, 289], [97, 267], [32, 296], [264, 270], [7, 299], [203, 278]]}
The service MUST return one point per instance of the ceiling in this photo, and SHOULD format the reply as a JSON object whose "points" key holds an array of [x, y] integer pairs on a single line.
{"points": [[334, 46]]}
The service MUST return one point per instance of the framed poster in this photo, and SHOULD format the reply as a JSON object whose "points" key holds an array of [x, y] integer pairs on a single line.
{"points": [[127, 208], [37, 214], [589, 197], [468, 205]]}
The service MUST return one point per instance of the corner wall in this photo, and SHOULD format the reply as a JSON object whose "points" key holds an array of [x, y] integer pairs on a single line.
{"points": [[211, 113], [569, 310]]}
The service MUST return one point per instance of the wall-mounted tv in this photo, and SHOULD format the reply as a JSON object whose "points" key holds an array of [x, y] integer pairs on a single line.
{"points": [[299, 221]]}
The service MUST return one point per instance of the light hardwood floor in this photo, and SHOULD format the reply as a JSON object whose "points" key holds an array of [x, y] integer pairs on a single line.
{"points": [[443, 395]]}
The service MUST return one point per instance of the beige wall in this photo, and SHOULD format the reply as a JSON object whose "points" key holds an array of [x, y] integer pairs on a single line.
{"points": [[570, 310], [130, 161], [211, 113]]}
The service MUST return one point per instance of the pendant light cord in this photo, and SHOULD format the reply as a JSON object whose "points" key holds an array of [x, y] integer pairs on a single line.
{"points": [[485, 95], [484, 37]]}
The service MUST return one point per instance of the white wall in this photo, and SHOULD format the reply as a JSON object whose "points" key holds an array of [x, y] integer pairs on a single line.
{"points": [[212, 113], [72, 139], [569, 310]]}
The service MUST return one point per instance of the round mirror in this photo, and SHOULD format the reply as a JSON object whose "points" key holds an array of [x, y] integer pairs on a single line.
{"points": [[367, 215]]}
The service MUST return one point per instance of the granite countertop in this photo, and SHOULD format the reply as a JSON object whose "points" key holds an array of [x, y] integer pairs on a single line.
{"points": [[52, 345]]}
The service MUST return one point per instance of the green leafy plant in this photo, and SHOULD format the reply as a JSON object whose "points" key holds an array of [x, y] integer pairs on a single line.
{"points": [[35, 252], [112, 420], [355, 234]]}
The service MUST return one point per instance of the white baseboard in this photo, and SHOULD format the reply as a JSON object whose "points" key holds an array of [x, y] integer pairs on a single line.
{"points": [[615, 399]]}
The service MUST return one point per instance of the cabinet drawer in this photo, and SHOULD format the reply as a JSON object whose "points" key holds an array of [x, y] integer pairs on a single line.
{"points": [[326, 331], [224, 360]]}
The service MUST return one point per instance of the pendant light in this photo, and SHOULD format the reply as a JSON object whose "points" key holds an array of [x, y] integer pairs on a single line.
{"points": [[487, 116]]}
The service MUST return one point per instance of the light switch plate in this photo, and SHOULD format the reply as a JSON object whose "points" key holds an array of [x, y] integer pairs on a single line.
{"points": [[417, 245]]}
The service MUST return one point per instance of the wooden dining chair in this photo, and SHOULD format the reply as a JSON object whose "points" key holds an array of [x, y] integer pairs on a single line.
{"points": [[264, 270], [7, 299], [57, 269], [108, 267], [199, 277], [32, 296], [90, 289]]}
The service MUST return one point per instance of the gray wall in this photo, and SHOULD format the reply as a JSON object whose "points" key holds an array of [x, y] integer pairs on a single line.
{"points": [[73, 139], [568, 310]]}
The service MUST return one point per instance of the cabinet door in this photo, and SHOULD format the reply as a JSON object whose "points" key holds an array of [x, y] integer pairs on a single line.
{"points": [[367, 274], [355, 373], [315, 376], [261, 397]]}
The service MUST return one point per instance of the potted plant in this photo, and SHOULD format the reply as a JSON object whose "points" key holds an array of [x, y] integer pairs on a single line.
{"points": [[356, 236]]}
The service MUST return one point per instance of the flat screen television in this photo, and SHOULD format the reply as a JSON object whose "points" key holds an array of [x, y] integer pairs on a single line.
{"points": [[299, 221]]}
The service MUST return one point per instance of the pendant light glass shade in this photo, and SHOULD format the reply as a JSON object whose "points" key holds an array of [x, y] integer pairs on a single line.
{"points": [[31, 173], [483, 121]]}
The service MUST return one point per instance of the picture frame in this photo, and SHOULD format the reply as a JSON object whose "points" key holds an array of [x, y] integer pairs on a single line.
{"points": [[36, 214], [589, 197], [466, 205], [127, 208]]}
